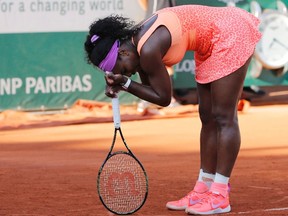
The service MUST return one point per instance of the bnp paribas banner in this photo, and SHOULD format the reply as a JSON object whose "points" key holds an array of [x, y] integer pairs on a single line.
{"points": [[42, 59]]}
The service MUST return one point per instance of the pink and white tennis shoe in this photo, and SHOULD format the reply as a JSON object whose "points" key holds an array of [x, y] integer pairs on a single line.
{"points": [[195, 196], [217, 201]]}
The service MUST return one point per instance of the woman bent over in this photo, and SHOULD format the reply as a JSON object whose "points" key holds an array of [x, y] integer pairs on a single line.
{"points": [[223, 40]]}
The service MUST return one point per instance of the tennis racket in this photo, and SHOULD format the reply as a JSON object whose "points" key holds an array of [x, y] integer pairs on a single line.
{"points": [[122, 181]]}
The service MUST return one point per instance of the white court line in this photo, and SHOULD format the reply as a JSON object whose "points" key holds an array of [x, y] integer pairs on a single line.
{"points": [[251, 186], [277, 209], [261, 210]]}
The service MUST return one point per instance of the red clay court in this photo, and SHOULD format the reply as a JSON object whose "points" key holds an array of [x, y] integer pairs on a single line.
{"points": [[53, 170]]}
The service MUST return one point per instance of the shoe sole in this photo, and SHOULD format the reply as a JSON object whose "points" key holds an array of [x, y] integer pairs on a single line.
{"points": [[215, 211], [176, 208]]}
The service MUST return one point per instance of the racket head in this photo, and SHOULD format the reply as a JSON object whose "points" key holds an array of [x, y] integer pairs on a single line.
{"points": [[122, 183]]}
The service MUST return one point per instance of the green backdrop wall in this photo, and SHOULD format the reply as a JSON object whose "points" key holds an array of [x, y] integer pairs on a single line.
{"points": [[48, 70]]}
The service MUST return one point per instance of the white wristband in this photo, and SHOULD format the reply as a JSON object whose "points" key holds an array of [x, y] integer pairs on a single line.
{"points": [[127, 84]]}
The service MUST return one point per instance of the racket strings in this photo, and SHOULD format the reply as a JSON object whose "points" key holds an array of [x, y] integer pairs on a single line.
{"points": [[122, 184]]}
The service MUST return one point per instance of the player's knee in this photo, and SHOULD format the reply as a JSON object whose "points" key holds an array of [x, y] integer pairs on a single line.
{"points": [[223, 119]]}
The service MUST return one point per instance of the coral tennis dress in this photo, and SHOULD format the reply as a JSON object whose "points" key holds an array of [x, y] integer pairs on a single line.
{"points": [[222, 38]]}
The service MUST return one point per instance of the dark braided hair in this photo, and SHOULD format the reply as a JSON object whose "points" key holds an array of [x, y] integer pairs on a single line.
{"points": [[108, 29]]}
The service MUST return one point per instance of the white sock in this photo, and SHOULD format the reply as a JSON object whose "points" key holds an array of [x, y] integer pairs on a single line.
{"points": [[207, 178], [221, 179]]}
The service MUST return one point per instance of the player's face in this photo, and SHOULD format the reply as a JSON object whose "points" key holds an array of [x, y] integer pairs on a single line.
{"points": [[127, 63]]}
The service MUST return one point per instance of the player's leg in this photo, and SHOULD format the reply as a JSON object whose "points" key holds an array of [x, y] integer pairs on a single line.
{"points": [[208, 147], [225, 95], [208, 134]]}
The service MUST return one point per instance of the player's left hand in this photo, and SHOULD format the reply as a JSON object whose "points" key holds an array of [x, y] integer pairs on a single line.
{"points": [[114, 79], [113, 82], [112, 91]]}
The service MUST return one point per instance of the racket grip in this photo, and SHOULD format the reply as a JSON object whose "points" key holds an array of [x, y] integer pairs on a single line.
{"points": [[115, 108], [116, 112]]}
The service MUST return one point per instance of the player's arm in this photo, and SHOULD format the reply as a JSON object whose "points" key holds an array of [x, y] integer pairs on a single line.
{"points": [[156, 86]]}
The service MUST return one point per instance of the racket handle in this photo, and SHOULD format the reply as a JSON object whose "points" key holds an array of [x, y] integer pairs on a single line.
{"points": [[115, 108], [116, 112]]}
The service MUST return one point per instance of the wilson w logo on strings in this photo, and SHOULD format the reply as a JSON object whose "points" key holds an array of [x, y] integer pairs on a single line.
{"points": [[119, 183]]}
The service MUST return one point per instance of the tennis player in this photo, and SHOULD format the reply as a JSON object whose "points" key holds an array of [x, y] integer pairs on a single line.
{"points": [[223, 40]]}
